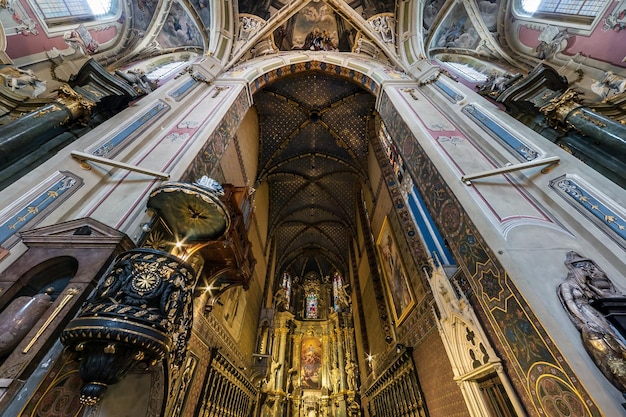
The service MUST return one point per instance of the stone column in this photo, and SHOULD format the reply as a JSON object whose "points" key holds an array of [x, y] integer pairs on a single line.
{"points": [[340, 359], [281, 358], [29, 132], [297, 351], [565, 110], [326, 362]]}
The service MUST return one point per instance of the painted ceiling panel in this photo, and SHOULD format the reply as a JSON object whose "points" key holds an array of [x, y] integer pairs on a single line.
{"points": [[456, 31], [204, 12], [143, 11], [179, 29]]}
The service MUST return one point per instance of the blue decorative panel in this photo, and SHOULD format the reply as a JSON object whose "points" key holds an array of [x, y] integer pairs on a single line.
{"points": [[499, 132], [430, 234], [450, 93], [38, 203], [580, 197], [182, 91], [134, 127]]}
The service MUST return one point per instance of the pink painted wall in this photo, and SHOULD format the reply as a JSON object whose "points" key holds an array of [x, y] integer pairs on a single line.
{"points": [[19, 45], [608, 46]]}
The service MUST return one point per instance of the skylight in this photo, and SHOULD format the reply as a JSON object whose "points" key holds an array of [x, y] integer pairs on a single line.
{"points": [[56, 9], [586, 8]]}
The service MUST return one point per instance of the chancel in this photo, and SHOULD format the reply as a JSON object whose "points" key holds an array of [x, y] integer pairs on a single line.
{"points": [[410, 208]]}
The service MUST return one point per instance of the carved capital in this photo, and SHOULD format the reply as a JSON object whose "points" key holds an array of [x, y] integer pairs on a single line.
{"points": [[560, 107], [74, 102]]}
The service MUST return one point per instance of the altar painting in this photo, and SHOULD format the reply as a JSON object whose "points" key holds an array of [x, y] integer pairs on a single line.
{"points": [[311, 363]]}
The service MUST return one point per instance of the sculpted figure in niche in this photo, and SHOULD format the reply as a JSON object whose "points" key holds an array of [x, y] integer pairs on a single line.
{"points": [[586, 282], [335, 377], [350, 374], [280, 299], [271, 382], [343, 299]]}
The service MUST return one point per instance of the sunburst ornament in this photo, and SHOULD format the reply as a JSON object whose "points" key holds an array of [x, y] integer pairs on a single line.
{"points": [[146, 278], [193, 211]]}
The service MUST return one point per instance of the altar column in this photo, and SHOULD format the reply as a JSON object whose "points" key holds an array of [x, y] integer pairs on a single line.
{"points": [[566, 110]]}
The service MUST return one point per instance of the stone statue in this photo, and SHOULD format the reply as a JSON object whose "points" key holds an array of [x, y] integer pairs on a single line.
{"points": [[350, 374], [586, 282], [343, 299], [19, 79], [335, 376], [211, 184], [271, 382], [611, 84], [280, 299], [496, 83]]}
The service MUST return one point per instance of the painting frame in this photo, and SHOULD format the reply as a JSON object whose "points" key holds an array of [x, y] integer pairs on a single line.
{"points": [[397, 283], [311, 359]]}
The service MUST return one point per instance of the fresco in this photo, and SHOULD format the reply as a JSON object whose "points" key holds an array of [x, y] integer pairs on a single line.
{"points": [[489, 13], [533, 355], [311, 363], [396, 278], [315, 28], [456, 31], [179, 29], [203, 10], [143, 10], [431, 10]]}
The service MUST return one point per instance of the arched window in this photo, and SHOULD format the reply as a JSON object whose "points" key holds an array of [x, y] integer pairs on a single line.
{"points": [[312, 306], [338, 291], [76, 10], [558, 9]]}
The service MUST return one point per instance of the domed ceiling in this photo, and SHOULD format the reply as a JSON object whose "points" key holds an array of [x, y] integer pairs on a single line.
{"points": [[314, 157]]}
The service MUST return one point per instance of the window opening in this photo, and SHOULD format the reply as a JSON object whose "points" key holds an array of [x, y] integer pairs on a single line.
{"points": [[312, 311], [88, 9], [586, 8]]}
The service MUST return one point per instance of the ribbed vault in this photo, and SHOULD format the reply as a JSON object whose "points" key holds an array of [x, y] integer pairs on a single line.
{"points": [[313, 155]]}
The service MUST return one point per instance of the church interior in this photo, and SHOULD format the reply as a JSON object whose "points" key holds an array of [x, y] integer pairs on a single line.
{"points": [[312, 208]]}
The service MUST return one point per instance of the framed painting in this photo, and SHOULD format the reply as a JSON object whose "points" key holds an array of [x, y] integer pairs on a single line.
{"points": [[397, 282], [311, 363]]}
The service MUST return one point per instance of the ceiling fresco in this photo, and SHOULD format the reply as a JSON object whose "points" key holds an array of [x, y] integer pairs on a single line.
{"points": [[265, 9], [317, 28], [179, 29]]}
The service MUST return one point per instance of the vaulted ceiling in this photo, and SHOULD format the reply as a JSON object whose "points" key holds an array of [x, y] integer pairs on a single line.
{"points": [[313, 154]]}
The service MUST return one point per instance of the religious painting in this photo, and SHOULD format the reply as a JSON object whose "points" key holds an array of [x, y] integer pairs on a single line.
{"points": [[396, 280], [315, 28], [203, 10], [456, 31], [179, 29], [431, 10], [489, 13], [143, 10], [311, 363]]}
